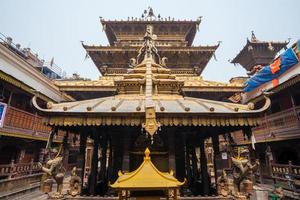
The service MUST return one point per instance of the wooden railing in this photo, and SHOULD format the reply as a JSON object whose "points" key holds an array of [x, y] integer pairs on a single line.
{"points": [[285, 123], [29, 123], [21, 119], [287, 174], [20, 169]]}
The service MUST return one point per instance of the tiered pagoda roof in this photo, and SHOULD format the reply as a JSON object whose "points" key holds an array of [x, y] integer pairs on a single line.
{"points": [[257, 52], [149, 95], [183, 59], [119, 32], [174, 41]]}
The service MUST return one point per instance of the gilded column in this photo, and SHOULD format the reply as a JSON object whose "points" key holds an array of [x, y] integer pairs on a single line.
{"points": [[171, 150]]}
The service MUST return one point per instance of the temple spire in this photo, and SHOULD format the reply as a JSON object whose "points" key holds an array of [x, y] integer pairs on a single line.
{"points": [[253, 37], [148, 50], [150, 53], [149, 14]]}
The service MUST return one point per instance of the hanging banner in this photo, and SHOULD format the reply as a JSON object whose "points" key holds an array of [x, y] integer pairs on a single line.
{"points": [[3, 107], [270, 72]]}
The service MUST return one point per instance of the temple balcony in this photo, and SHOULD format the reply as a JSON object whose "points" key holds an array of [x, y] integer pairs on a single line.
{"points": [[280, 125], [19, 123], [275, 127]]}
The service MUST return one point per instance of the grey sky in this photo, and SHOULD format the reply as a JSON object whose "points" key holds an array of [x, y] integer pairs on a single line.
{"points": [[54, 28]]}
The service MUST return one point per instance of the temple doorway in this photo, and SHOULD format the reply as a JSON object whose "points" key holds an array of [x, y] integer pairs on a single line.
{"points": [[157, 146]]}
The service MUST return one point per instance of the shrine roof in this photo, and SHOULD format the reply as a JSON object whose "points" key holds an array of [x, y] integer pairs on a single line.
{"points": [[160, 48], [196, 82], [124, 104], [276, 44], [146, 177], [178, 57], [116, 28], [252, 52], [129, 110]]}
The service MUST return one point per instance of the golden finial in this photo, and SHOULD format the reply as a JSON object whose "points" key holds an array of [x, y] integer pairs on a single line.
{"points": [[147, 153]]}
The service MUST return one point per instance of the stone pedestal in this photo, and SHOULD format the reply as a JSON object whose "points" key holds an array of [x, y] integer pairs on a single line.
{"points": [[47, 186], [148, 198], [247, 186], [259, 194]]}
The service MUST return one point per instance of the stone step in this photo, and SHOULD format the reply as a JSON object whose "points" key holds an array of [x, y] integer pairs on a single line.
{"points": [[20, 192], [36, 195]]}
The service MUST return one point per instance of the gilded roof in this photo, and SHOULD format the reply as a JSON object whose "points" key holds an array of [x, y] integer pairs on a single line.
{"points": [[150, 96], [146, 177], [104, 81], [178, 56], [198, 81], [135, 104]]}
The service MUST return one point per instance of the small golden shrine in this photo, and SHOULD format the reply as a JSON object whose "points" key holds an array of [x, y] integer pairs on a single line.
{"points": [[146, 177]]}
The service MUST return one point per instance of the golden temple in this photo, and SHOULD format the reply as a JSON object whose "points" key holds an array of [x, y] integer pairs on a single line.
{"points": [[151, 97]]}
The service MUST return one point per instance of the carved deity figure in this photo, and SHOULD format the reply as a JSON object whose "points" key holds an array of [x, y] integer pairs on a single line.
{"points": [[75, 183], [243, 170], [54, 168], [223, 186]]}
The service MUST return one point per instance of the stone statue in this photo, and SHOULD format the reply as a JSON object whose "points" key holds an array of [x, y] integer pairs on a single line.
{"points": [[75, 183], [242, 171], [54, 168], [132, 62], [164, 61], [223, 186]]}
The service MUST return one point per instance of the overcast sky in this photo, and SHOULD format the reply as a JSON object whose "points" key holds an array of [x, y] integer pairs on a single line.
{"points": [[54, 28]]}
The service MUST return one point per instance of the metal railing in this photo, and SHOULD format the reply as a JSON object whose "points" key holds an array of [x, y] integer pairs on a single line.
{"points": [[26, 52], [56, 69]]}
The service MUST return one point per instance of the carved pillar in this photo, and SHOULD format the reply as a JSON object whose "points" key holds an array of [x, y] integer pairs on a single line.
{"points": [[188, 162], [180, 156], [217, 157], [103, 170], [103, 157], [194, 164], [81, 156], [125, 162], [94, 166], [171, 150], [66, 150], [117, 156], [110, 161], [204, 174]]}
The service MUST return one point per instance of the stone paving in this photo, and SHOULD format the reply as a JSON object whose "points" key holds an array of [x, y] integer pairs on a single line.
{"points": [[261, 193]]}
